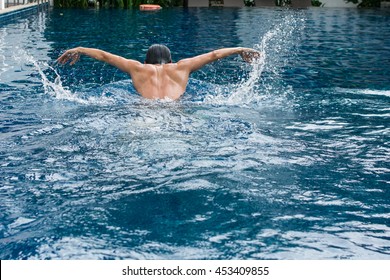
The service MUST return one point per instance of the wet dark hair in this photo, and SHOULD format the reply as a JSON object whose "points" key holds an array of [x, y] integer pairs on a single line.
{"points": [[158, 54]]}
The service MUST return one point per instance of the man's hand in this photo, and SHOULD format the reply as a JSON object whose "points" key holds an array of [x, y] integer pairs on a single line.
{"points": [[72, 55], [250, 55]]}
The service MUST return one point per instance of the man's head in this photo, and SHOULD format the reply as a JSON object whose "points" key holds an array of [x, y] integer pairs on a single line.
{"points": [[158, 54]]}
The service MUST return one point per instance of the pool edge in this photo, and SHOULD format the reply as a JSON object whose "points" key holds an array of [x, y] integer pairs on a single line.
{"points": [[16, 12]]}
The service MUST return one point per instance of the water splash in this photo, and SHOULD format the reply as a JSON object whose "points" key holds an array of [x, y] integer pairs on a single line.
{"points": [[3, 64], [57, 90], [54, 86], [277, 47], [246, 91]]}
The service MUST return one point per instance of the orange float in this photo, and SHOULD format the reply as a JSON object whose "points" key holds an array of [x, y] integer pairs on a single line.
{"points": [[149, 7]]}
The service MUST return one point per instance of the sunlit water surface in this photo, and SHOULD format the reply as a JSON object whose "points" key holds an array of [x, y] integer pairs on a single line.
{"points": [[287, 159]]}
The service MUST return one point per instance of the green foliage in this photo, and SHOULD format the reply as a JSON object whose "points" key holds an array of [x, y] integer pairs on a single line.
{"points": [[366, 3], [316, 3], [249, 3], [283, 3], [71, 3], [166, 3]]}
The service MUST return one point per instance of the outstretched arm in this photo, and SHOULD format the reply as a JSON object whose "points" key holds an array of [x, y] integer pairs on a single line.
{"points": [[73, 55], [197, 62]]}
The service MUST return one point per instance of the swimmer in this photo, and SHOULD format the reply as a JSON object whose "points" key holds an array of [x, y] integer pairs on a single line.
{"points": [[158, 77]]}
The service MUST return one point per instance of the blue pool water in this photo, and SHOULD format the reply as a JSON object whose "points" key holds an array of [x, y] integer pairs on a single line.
{"points": [[284, 160]]}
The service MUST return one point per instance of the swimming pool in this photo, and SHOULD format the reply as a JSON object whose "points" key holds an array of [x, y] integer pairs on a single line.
{"points": [[284, 160]]}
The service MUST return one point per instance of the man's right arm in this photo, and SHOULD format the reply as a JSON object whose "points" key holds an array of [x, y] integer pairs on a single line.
{"points": [[73, 55]]}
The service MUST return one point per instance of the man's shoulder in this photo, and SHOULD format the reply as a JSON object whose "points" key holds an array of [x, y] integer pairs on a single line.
{"points": [[168, 69]]}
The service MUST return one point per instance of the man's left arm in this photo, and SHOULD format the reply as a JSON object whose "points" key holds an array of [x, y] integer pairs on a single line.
{"points": [[197, 62]]}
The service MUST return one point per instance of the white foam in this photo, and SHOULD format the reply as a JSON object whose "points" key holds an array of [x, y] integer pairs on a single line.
{"points": [[366, 91], [376, 92], [20, 221], [319, 125], [3, 64]]}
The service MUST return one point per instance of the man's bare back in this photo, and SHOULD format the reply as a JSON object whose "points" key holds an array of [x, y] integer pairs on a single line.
{"points": [[158, 80]]}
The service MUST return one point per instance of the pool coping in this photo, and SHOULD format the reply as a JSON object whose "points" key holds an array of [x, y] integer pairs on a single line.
{"points": [[16, 12]]}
